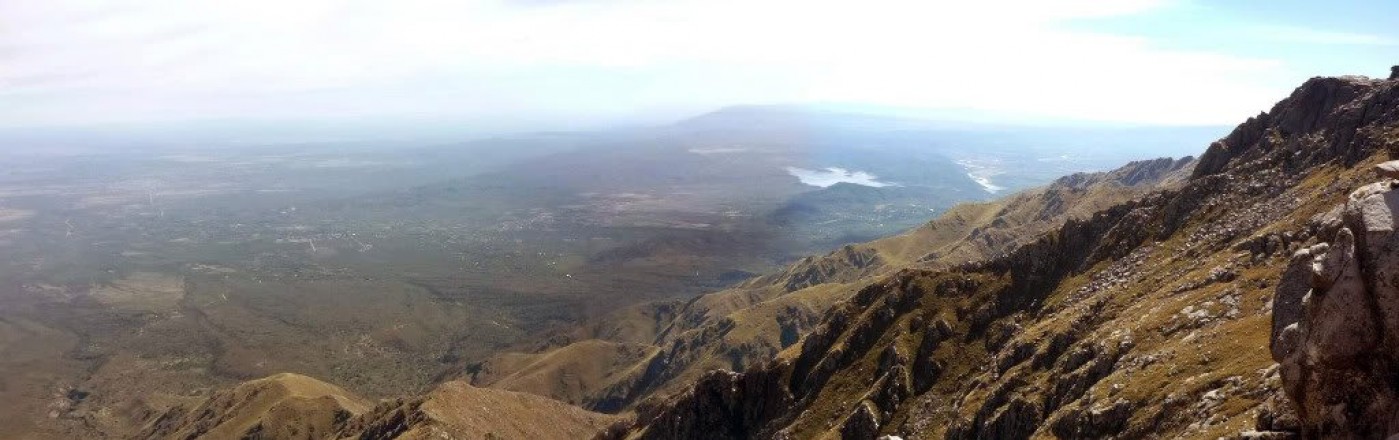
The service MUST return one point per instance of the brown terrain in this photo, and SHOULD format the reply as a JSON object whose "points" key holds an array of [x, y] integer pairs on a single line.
{"points": [[289, 406], [1246, 294]]}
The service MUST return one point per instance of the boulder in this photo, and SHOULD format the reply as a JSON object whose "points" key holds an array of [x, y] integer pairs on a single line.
{"points": [[1276, 416], [1388, 170], [1337, 352], [1342, 326], [1374, 210]]}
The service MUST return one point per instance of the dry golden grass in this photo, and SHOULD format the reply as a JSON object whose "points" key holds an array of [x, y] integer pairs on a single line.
{"points": [[572, 373], [283, 406]]}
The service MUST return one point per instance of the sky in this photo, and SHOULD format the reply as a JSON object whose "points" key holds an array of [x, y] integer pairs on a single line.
{"points": [[546, 63]]}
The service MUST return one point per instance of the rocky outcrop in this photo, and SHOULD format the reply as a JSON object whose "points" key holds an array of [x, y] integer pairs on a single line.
{"points": [[862, 425], [1146, 171], [1338, 355], [722, 405], [1339, 108]]}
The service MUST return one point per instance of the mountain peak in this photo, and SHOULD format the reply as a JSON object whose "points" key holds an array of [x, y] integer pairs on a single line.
{"points": [[1338, 106]]}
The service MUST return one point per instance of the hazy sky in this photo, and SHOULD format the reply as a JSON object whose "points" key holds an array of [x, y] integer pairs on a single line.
{"points": [[1157, 61]]}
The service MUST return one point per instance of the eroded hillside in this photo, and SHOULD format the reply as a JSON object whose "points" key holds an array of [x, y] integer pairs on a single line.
{"points": [[654, 350]]}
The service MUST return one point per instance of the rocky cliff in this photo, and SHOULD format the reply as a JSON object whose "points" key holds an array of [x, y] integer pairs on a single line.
{"points": [[1337, 339]]}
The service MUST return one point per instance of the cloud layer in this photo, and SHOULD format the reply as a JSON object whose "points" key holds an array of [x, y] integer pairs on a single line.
{"points": [[69, 61]]}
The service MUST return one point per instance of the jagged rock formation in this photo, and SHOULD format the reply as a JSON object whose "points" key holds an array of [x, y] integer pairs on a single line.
{"points": [[1338, 355], [1144, 319]]}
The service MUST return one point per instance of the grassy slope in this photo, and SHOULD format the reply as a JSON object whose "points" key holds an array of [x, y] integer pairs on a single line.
{"points": [[287, 406], [290, 406]]}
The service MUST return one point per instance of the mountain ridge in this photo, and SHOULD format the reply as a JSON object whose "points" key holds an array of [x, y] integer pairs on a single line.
{"points": [[758, 318], [1136, 303], [1026, 364]]}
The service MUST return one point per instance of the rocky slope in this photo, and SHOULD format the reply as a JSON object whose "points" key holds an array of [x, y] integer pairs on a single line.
{"points": [[655, 350], [1147, 319]]}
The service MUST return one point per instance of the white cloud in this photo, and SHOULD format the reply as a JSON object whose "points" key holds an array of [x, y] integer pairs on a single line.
{"points": [[833, 175], [136, 60]]}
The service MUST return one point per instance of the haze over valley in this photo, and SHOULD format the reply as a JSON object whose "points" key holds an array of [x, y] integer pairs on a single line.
{"points": [[385, 266]]}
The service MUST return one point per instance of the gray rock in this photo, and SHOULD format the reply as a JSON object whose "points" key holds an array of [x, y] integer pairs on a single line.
{"points": [[1376, 215], [1287, 298], [1388, 170], [1342, 326], [1335, 359], [1275, 415], [1325, 224]]}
